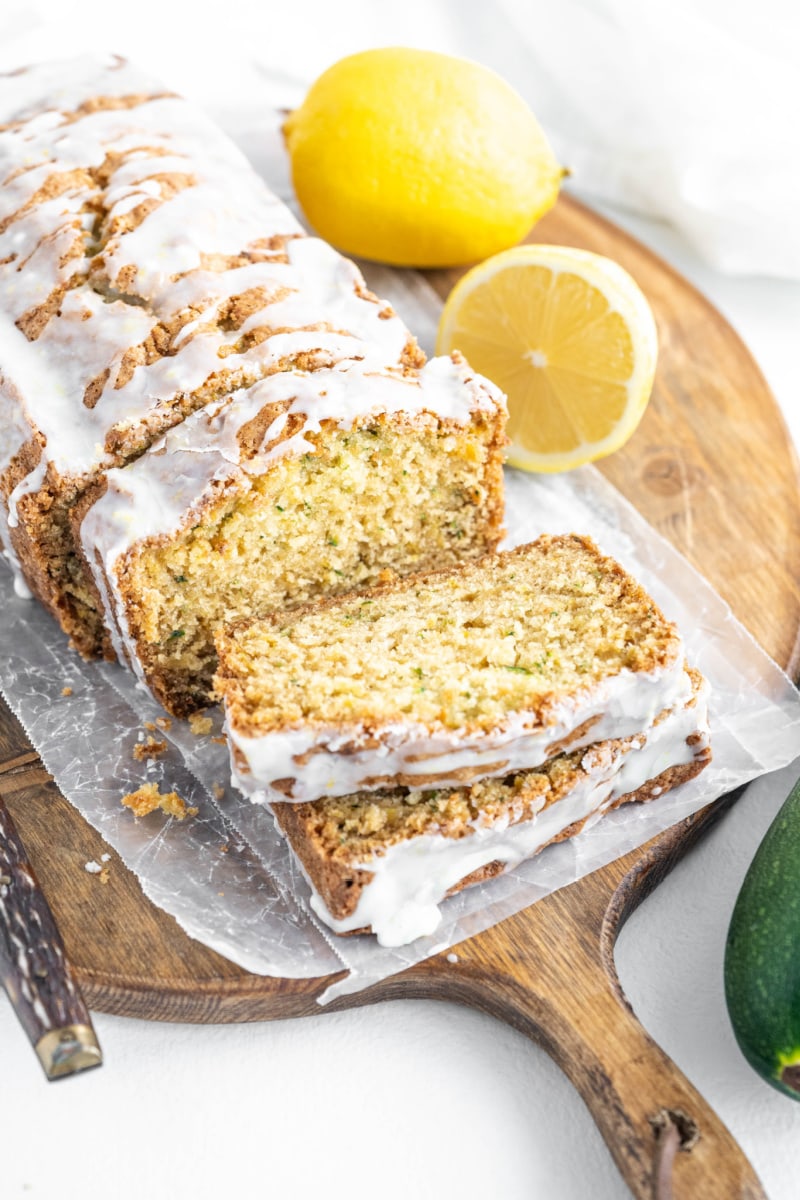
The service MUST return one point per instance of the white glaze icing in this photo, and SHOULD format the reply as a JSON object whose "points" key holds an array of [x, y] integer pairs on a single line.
{"points": [[327, 762], [14, 432], [66, 83], [21, 588], [30, 483], [409, 881], [225, 210], [159, 493]]}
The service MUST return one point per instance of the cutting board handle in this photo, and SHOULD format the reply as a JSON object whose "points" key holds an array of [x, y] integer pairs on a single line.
{"points": [[665, 1139], [652, 1119]]}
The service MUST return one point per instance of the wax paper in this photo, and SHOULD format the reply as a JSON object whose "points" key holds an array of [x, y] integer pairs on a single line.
{"points": [[227, 876]]}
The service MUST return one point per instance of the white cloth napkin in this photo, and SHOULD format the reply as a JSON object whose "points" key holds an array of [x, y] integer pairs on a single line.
{"points": [[686, 110], [683, 110]]}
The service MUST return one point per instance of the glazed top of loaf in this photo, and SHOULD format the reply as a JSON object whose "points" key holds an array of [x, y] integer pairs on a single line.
{"points": [[166, 488], [146, 269]]}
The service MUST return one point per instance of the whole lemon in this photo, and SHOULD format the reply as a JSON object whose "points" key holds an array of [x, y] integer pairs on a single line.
{"points": [[419, 159]]}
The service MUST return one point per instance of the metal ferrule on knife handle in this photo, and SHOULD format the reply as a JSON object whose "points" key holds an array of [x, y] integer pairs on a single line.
{"points": [[34, 969]]}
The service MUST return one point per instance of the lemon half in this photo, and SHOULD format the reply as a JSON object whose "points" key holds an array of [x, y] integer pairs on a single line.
{"points": [[571, 339]]}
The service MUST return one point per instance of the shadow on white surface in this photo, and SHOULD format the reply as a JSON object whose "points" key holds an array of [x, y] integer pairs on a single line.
{"points": [[670, 962]]}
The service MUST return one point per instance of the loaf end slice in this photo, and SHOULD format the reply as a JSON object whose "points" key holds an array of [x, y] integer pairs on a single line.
{"points": [[383, 862]]}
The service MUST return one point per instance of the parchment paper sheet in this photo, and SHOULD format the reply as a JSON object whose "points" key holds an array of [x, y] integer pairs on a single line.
{"points": [[226, 875]]}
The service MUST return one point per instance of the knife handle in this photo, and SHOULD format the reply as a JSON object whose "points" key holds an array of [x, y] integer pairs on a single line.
{"points": [[34, 969]]}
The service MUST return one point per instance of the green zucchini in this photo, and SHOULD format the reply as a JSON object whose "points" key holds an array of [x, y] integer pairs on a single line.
{"points": [[762, 956]]}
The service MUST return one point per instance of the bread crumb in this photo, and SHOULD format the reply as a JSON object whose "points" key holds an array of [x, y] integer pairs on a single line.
{"points": [[94, 868], [149, 725], [164, 724], [105, 858], [199, 724], [66, 691], [221, 741], [147, 799], [150, 748], [218, 790]]}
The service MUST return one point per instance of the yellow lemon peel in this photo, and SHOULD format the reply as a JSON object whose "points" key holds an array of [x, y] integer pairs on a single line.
{"points": [[415, 158]]}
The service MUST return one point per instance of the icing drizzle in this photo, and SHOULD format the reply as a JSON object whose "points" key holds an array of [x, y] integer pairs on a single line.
{"points": [[129, 228]]}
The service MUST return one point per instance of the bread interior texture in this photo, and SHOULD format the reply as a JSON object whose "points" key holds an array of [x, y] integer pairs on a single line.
{"points": [[459, 651], [361, 506]]}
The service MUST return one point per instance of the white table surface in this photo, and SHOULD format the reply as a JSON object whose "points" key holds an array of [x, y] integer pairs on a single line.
{"points": [[415, 1098]]}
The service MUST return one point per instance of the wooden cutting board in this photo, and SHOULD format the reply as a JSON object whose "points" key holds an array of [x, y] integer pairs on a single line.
{"points": [[711, 467]]}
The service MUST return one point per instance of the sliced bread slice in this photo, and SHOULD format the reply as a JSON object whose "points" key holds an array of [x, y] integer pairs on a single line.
{"points": [[443, 679], [383, 862]]}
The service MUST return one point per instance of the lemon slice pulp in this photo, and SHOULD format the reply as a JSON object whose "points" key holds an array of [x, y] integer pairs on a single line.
{"points": [[570, 338]]}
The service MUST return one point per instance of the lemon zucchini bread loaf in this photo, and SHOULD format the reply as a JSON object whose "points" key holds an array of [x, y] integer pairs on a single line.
{"points": [[441, 680], [304, 484], [146, 272], [383, 862]]}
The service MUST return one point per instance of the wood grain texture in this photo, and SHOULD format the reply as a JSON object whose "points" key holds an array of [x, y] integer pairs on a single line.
{"points": [[711, 467]]}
